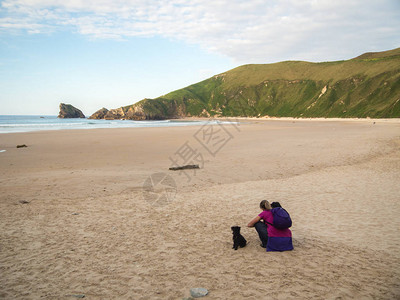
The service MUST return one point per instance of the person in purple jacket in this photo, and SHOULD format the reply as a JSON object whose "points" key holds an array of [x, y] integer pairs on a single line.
{"points": [[271, 238]]}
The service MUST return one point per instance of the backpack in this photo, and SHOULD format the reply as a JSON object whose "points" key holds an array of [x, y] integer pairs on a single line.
{"points": [[281, 219]]}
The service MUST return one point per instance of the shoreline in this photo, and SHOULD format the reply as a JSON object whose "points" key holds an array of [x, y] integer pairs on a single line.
{"points": [[389, 120], [205, 119], [56, 124]]}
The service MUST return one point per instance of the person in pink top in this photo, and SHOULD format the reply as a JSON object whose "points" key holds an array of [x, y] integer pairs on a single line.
{"points": [[271, 238]]}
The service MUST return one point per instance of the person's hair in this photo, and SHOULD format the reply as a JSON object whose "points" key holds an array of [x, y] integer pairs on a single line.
{"points": [[275, 204], [264, 205]]}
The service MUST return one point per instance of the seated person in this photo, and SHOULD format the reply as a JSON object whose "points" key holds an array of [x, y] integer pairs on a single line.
{"points": [[271, 238]]}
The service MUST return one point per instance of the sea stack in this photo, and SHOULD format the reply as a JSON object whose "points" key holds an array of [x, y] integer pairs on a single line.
{"points": [[69, 111]]}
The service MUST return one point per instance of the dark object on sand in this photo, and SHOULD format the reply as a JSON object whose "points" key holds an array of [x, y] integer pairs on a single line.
{"points": [[185, 167], [238, 239], [22, 146], [24, 202]]}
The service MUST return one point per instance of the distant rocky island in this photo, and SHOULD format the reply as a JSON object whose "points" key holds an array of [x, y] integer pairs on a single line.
{"points": [[365, 86], [69, 111]]}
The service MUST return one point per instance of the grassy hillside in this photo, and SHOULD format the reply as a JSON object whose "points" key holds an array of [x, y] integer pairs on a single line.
{"points": [[366, 86]]}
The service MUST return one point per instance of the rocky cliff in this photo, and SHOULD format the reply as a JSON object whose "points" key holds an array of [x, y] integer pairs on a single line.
{"points": [[365, 86], [134, 112], [68, 111], [100, 114]]}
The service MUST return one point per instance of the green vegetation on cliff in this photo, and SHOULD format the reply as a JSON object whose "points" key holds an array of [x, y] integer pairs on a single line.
{"points": [[366, 86]]}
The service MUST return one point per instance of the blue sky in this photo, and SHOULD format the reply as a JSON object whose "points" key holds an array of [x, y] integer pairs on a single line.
{"points": [[110, 53]]}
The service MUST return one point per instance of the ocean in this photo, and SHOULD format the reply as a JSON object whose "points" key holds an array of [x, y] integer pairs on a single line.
{"points": [[23, 123]]}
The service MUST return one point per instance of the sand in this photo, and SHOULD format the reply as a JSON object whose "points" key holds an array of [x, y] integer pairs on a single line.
{"points": [[78, 215]]}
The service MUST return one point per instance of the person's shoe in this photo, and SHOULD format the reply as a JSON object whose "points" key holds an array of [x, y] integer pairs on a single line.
{"points": [[263, 246]]}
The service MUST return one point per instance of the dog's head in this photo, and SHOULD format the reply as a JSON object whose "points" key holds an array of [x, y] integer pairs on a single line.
{"points": [[235, 229]]}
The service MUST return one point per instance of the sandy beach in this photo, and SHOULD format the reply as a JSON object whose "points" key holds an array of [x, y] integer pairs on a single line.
{"points": [[98, 212]]}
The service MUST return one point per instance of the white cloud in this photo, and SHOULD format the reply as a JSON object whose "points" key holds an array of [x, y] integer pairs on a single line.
{"points": [[248, 31]]}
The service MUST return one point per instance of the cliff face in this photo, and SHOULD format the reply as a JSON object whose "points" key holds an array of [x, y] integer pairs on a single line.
{"points": [[366, 86], [100, 114], [68, 111], [134, 112]]}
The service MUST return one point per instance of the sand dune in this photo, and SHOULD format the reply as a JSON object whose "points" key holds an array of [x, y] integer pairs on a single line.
{"points": [[92, 227]]}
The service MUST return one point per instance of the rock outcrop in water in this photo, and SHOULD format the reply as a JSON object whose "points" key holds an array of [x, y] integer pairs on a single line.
{"points": [[100, 114], [128, 113], [69, 111]]}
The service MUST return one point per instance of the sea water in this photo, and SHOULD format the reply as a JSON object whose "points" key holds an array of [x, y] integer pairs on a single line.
{"points": [[23, 123]]}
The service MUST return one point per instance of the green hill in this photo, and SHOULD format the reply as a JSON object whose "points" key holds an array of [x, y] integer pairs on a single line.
{"points": [[366, 86]]}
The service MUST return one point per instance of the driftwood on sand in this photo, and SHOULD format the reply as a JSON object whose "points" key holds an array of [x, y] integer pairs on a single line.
{"points": [[185, 167]]}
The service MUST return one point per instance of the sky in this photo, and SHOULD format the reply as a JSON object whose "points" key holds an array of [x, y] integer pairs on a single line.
{"points": [[112, 53]]}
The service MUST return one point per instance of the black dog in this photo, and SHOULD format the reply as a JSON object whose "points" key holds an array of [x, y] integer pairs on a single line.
{"points": [[238, 239]]}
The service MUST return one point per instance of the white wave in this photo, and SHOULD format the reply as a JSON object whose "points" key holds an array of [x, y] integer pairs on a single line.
{"points": [[40, 125], [32, 123]]}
